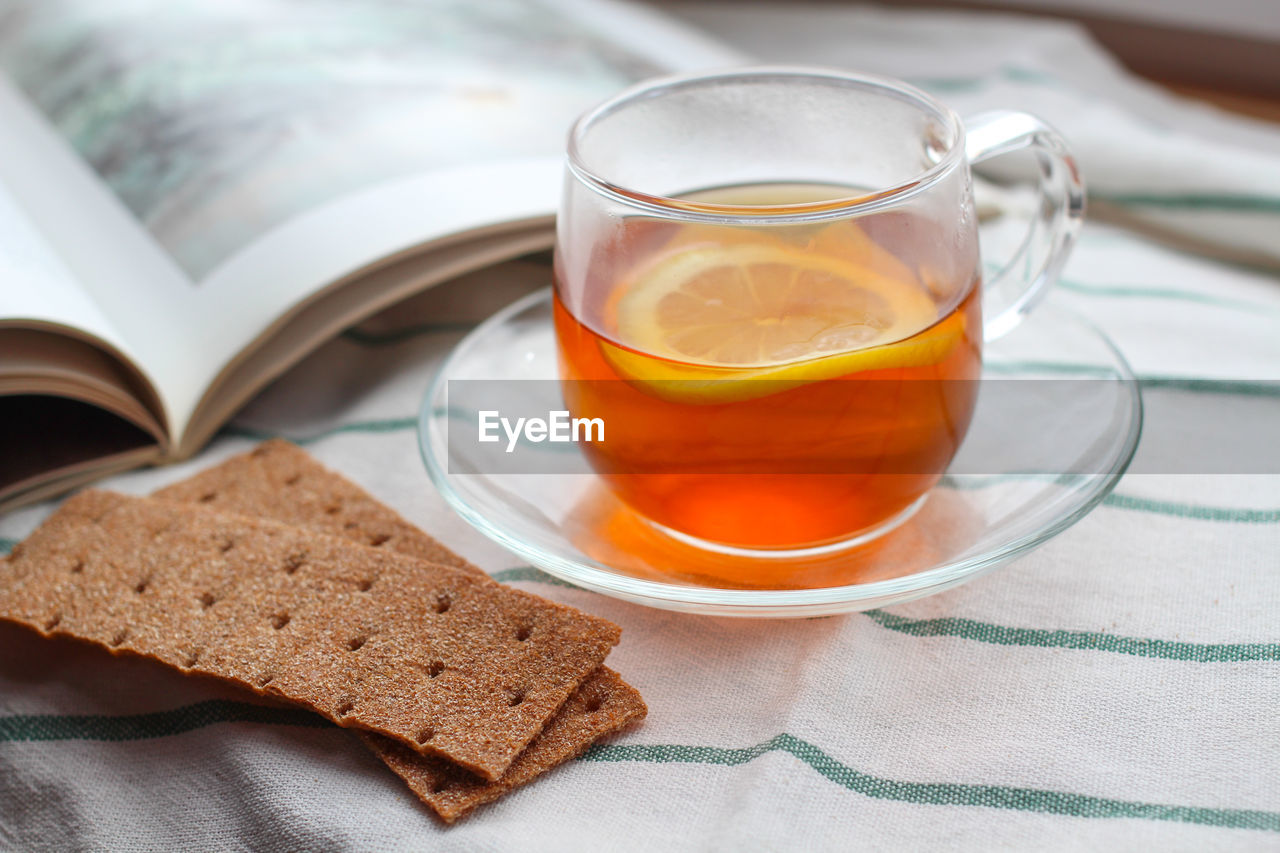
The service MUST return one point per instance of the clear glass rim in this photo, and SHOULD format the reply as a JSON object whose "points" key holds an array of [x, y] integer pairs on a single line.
{"points": [[764, 214]]}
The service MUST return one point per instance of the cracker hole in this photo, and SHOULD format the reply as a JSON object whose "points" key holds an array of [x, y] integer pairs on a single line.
{"points": [[279, 620], [379, 539], [515, 698], [333, 509], [365, 585], [594, 703], [207, 600], [294, 562], [442, 603], [208, 497], [265, 680], [435, 668], [357, 643], [226, 545], [191, 659], [78, 567], [426, 735], [119, 637], [346, 708], [295, 478], [523, 633], [439, 786], [53, 622], [142, 586], [351, 525]]}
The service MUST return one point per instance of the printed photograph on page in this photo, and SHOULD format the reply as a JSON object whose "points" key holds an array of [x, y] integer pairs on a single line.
{"points": [[215, 122]]}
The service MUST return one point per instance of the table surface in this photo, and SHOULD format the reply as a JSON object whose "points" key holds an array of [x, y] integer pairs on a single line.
{"points": [[1115, 689]]}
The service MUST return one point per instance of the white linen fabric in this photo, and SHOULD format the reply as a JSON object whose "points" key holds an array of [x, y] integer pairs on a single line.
{"points": [[1115, 689]]}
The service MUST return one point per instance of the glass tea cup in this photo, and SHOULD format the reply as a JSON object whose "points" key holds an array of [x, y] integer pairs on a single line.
{"points": [[768, 289]]}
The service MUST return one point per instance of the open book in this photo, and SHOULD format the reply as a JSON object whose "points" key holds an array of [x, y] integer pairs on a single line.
{"points": [[195, 195]]}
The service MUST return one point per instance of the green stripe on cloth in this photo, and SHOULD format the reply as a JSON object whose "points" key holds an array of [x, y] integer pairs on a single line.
{"points": [[1196, 512], [1258, 388], [1004, 635], [99, 727], [397, 336], [383, 425], [94, 727], [975, 482], [1232, 387], [937, 793], [1163, 293], [408, 333], [1237, 515], [1235, 202]]}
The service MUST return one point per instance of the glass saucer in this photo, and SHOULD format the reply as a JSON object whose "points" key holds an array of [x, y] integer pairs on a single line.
{"points": [[571, 526]]}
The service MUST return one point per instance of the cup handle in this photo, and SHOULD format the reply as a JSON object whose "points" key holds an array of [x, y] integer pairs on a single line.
{"points": [[1014, 290]]}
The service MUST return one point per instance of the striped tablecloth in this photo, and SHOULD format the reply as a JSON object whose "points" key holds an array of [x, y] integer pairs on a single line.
{"points": [[1119, 688]]}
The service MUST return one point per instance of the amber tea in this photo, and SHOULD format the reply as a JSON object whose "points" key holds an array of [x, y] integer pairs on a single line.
{"points": [[767, 378]]}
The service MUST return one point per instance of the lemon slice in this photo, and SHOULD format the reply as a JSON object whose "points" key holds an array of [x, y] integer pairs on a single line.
{"points": [[714, 324]]}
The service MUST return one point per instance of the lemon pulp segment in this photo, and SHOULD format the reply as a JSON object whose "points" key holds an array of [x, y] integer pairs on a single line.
{"points": [[711, 324]]}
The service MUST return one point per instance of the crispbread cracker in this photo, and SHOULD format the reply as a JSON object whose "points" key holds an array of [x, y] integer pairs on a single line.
{"points": [[280, 481], [444, 660], [604, 704]]}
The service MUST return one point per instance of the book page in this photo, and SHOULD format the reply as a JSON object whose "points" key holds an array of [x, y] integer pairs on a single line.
{"points": [[54, 339], [81, 262], [37, 285], [258, 151]]}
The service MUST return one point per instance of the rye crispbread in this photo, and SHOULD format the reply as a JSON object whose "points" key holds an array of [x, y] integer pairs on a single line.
{"points": [[604, 704], [443, 660], [280, 481]]}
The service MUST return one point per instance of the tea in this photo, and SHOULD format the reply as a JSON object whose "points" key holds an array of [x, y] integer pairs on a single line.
{"points": [[765, 378]]}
